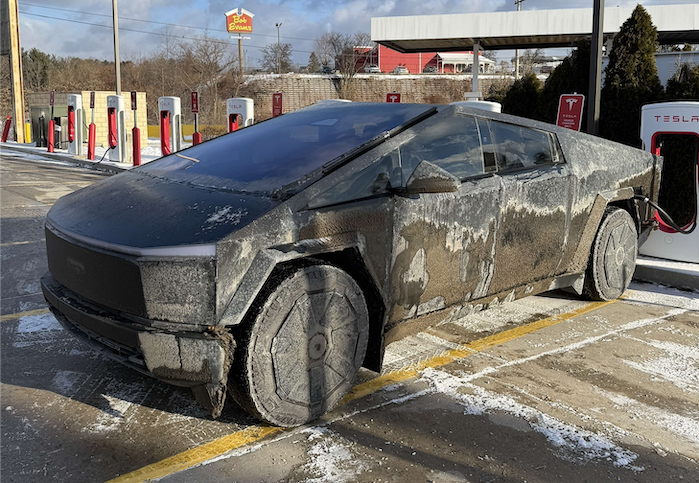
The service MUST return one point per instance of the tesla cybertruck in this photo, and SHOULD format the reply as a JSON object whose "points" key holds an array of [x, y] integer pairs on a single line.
{"points": [[273, 262]]}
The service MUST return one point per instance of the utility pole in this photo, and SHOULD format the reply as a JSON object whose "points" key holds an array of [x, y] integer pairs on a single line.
{"points": [[519, 8], [117, 61], [279, 68], [240, 55], [593, 104], [16, 72]]}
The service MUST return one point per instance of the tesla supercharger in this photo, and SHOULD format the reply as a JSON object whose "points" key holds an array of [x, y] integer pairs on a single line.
{"points": [[240, 113], [170, 124], [75, 124], [116, 129], [656, 120]]}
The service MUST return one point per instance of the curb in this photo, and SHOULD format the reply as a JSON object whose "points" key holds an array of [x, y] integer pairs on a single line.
{"points": [[67, 158], [670, 278]]}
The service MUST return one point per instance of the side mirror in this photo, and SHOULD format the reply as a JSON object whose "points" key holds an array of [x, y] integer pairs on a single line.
{"points": [[430, 178]]}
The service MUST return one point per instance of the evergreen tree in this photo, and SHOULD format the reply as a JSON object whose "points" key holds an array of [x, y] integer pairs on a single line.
{"points": [[571, 76], [313, 64], [522, 98], [684, 84], [631, 79]]}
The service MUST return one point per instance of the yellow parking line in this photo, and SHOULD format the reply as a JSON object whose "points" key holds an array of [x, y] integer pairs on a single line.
{"points": [[252, 434], [20, 243], [23, 314]]}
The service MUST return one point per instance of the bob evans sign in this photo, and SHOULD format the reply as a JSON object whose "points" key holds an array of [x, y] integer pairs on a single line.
{"points": [[239, 21]]}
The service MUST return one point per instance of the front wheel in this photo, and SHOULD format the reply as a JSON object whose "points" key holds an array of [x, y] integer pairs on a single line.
{"points": [[304, 347], [613, 256]]}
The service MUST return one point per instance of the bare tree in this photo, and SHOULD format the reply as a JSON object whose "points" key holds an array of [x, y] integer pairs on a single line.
{"points": [[277, 57], [202, 63], [326, 47], [349, 54], [529, 60]]}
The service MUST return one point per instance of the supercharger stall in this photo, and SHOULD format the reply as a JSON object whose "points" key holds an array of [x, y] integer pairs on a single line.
{"points": [[170, 111], [240, 113], [116, 129], [658, 120], [75, 124]]}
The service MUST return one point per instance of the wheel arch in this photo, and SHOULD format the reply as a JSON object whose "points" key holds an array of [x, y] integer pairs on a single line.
{"points": [[351, 261]]}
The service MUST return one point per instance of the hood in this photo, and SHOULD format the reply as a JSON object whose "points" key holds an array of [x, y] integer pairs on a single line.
{"points": [[141, 211]]}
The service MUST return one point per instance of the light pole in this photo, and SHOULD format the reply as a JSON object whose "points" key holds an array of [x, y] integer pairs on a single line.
{"points": [[117, 67], [279, 68], [519, 8]]}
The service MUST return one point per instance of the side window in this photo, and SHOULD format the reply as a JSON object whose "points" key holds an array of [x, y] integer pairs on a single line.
{"points": [[516, 147], [453, 144], [373, 180]]}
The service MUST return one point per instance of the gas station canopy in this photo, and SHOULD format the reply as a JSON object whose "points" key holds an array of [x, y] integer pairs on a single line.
{"points": [[676, 24]]}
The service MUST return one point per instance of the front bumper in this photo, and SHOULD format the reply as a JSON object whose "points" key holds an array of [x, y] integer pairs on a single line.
{"points": [[183, 358]]}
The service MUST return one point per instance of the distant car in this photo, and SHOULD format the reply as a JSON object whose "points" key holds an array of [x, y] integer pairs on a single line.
{"points": [[430, 69], [372, 69], [326, 69], [272, 262], [401, 70]]}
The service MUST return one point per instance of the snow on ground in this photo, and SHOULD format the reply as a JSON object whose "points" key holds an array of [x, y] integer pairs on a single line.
{"points": [[331, 458], [38, 323], [649, 293], [574, 443]]}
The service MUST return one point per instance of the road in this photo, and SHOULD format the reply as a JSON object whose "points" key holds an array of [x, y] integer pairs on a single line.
{"points": [[548, 388]]}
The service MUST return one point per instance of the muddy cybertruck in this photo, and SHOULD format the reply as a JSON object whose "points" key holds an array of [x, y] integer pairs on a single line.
{"points": [[273, 262]]}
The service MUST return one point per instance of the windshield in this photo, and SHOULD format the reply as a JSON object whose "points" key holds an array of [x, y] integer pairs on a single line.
{"points": [[275, 153]]}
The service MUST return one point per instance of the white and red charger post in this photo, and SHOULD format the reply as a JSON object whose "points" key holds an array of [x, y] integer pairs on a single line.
{"points": [[92, 130], [196, 135], [657, 122], [170, 124], [52, 124], [75, 124], [135, 132], [240, 112]]}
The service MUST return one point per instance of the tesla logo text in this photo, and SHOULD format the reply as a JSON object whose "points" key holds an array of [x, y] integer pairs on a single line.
{"points": [[694, 118], [571, 102]]}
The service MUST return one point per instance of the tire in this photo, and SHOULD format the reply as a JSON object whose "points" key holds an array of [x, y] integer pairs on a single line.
{"points": [[613, 256], [304, 347]]}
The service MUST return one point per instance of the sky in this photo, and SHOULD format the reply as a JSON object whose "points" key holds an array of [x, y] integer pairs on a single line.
{"points": [[83, 28]]}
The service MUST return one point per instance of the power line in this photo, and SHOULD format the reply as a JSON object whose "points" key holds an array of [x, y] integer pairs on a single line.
{"points": [[214, 40], [141, 20], [210, 39]]}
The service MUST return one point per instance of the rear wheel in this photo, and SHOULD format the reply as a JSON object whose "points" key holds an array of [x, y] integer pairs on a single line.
{"points": [[613, 257], [304, 347]]}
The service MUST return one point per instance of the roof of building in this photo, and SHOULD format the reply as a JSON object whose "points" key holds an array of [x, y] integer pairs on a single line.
{"points": [[462, 58], [676, 24]]}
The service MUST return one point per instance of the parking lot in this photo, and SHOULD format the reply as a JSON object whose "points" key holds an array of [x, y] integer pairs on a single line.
{"points": [[547, 388]]}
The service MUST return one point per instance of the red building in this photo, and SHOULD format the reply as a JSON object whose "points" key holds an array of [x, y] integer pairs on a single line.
{"points": [[388, 59]]}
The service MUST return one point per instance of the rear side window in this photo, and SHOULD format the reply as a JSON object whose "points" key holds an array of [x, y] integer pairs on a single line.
{"points": [[453, 144], [515, 147]]}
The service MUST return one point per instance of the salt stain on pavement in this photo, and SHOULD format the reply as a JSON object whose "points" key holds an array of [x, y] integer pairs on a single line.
{"points": [[576, 444], [685, 427], [331, 458], [38, 323], [37, 329], [680, 365]]}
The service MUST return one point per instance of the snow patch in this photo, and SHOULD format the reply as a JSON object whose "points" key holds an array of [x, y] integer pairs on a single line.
{"points": [[675, 423], [38, 323], [64, 381], [680, 366], [576, 443], [331, 459], [646, 293], [225, 215]]}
